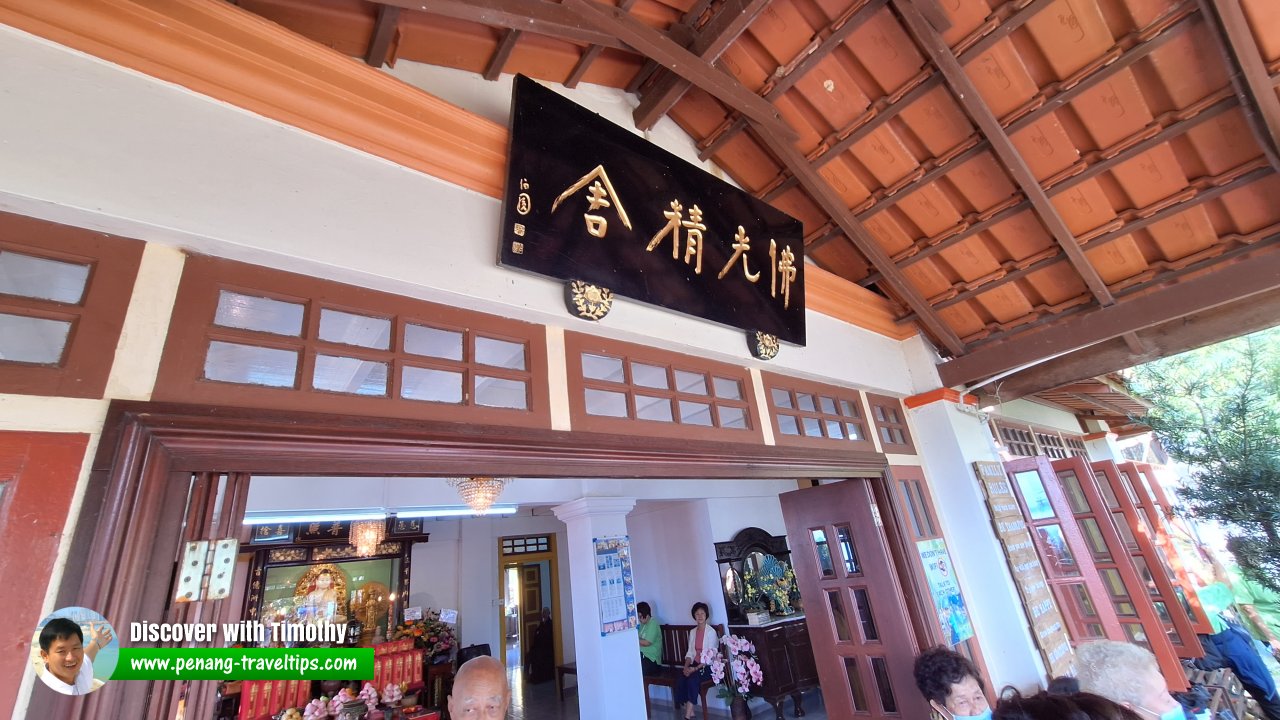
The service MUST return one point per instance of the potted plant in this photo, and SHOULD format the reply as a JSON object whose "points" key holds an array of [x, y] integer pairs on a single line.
{"points": [[754, 603], [735, 673]]}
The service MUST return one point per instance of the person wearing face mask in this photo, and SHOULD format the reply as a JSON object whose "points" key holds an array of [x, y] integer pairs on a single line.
{"points": [[1057, 706], [1128, 675], [951, 684]]}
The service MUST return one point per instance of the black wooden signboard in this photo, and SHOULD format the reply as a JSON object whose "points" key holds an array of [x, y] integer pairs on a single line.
{"points": [[587, 200]]}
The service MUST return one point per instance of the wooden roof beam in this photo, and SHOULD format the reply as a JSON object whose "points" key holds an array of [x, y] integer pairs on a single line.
{"points": [[1186, 333], [541, 17], [969, 98], [588, 57], [651, 43], [728, 24], [831, 203], [1253, 83], [1230, 283], [384, 31], [500, 56]]}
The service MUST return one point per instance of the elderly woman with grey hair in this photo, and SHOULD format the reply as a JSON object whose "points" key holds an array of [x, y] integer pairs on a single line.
{"points": [[1128, 675]]}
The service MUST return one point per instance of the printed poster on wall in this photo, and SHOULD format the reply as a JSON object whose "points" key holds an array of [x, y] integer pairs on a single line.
{"points": [[614, 585], [953, 616]]}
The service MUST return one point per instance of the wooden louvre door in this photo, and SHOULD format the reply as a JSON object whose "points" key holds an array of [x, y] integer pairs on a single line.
{"points": [[862, 638], [1068, 565], [1123, 586], [1173, 604]]}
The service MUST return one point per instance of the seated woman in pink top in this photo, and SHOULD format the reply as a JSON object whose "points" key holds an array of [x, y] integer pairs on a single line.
{"points": [[689, 682]]}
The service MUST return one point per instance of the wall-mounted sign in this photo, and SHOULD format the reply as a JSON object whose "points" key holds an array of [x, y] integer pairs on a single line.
{"points": [[615, 587], [1028, 574], [589, 201]]}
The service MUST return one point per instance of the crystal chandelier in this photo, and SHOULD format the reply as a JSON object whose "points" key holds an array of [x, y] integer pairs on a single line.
{"points": [[366, 536], [479, 493]]}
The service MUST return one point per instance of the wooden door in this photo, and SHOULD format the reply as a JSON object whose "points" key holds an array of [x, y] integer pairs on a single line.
{"points": [[1173, 603], [1124, 587], [1068, 565], [38, 473], [530, 605], [862, 638]]}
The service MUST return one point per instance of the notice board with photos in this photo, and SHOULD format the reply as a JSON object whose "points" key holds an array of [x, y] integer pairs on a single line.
{"points": [[1047, 626], [587, 200], [615, 586]]}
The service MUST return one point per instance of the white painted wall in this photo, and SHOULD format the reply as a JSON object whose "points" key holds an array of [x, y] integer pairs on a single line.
{"points": [[1038, 413], [730, 515]]}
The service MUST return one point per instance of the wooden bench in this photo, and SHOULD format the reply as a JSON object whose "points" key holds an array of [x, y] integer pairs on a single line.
{"points": [[570, 668], [675, 643]]}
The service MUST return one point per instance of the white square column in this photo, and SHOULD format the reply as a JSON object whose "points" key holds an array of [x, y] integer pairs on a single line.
{"points": [[609, 680]]}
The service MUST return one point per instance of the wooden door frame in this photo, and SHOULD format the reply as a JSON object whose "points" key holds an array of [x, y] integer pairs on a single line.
{"points": [[127, 565], [504, 562]]}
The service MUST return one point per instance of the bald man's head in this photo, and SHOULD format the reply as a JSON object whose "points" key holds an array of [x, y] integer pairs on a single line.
{"points": [[480, 690]]}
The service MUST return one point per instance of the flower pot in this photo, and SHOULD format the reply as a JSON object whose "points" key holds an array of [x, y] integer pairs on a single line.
{"points": [[757, 618], [739, 709]]}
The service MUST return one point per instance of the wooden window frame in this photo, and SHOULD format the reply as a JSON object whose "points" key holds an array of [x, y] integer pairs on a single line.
{"points": [[885, 402], [1067, 445], [181, 374], [96, 320], [576, 344], [774, 381]]}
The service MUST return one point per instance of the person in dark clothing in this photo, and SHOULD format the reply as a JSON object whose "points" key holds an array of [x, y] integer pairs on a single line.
{"points": [[541, 663]]}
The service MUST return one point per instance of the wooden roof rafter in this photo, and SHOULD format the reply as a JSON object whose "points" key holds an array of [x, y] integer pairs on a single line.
{"points": [[384, 33], [778, 140], [589, 56], [1253, 83]]}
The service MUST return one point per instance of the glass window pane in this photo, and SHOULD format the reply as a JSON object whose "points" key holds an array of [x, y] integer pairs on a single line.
{"points": [[1126, 532], [1034, 494], [1062, 562], [349, 375], [251, 365], [838, 616], [787, 425], [1075, 494], [605, 403], [835, 429], [828, 405], [727, 388], [853, 431], [824, 551], [351, 329], [1093, 537], [501, 393], [848, 555], [690, 382], [695, 413], [651, 376], [653, 408], [433, 342], [878, 411], [880, 668], [258, 313], [1113, 582], [32, 340], [1162, 610], [444, 386], [42, 278], [500, 353], [848, 409], [732, 417], [1108, 494], [1144, 572], [812, 427], [1083, 602], [855, 684], [1136, 634], [602, 367], [804, 401], [781, 398], [863, 600]]}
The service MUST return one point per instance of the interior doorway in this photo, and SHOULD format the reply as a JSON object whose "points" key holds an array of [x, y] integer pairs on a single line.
{"points": [[529, 578]]}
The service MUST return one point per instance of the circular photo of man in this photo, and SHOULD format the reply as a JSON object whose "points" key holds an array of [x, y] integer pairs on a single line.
{"points": [[74, 650]]}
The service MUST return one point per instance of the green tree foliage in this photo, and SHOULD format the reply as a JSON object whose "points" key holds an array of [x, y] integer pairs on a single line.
{"points": [[1217, 409]]}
